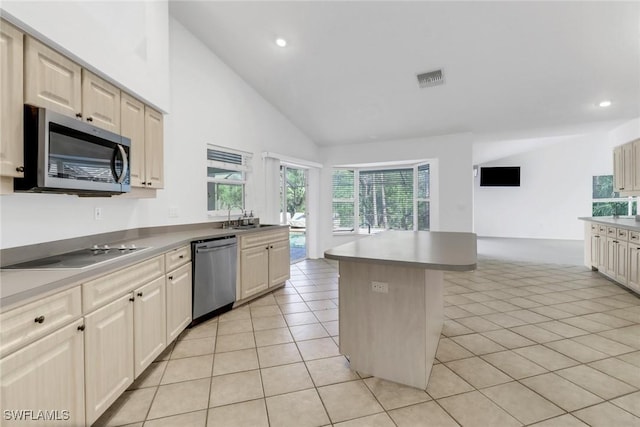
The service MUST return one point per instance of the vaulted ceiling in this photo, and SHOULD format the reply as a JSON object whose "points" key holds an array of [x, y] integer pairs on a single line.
{"points": [[348, 73]]}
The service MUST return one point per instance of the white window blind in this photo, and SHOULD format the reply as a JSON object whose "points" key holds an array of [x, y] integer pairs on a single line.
{"points": [[343, 200], [371, 200], [226, 179]]}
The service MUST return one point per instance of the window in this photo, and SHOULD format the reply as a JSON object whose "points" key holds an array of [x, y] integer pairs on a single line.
{"points": [[343, 200], [607, 202], [226, 179], [371, 200]]}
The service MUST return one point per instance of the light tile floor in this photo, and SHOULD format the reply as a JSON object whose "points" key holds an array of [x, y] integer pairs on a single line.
{"points": [[522, 344]]}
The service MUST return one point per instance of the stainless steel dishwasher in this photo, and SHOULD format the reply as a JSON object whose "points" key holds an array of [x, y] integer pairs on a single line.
{"points": [[214, 276]]}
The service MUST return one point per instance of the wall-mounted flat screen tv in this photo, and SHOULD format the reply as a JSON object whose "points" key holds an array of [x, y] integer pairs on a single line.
{"points": [[504, 176]]}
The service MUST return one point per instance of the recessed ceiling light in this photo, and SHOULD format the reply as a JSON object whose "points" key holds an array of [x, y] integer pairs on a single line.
{"points": [[281, 42], [604, 104]]}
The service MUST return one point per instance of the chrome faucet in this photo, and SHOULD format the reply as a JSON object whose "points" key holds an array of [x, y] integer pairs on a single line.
{"points": [[229, 208]]}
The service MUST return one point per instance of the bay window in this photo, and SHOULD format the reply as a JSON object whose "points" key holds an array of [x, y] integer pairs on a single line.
{"points": [[372, 200]]}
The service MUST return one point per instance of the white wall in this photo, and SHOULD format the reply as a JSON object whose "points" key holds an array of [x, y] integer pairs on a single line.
{"points": [[125, 42], [555, 189], [455, 186], [209, 103], [624, 133]]}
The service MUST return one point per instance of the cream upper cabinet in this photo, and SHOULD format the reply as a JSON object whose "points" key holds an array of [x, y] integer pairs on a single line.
{"points": [[108, 355], [46, 375], [154, 148], [179, 290], [144, 126], [11, 101], [636, 164], [149, 323], [626, 168], [51, 80], [132, 126], [633, 279], [100, 102]]}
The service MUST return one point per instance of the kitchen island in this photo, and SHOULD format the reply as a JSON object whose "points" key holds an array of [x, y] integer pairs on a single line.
{"points": [[391, 286]]}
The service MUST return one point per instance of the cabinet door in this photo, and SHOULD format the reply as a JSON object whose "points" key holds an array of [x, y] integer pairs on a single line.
{"points": [[51, 80], [254, 270], [279, 262], [618, 169], [602, 254], [621, 262], [11, 103], [610, 267], [627, 160], [594, 250], [179, 302], [46, 375], [100, 102], [154, 148], [634, 267], [108, 355], [132, 126], [636, 165], [149, 323]]}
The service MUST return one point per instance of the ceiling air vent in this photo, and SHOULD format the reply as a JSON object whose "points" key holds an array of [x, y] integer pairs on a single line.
{"points": [[431, 78]]}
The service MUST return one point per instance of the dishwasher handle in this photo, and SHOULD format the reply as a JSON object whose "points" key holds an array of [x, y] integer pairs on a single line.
{"points": [[216, 248]]}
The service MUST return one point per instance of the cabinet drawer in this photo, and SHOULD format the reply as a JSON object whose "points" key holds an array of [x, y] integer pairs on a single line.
{"points": [[263, 238], [602, 229], [177, 257], [634, 236], [107, 288], [32, 321], [622, 234], [612, 232], [594, 228]]}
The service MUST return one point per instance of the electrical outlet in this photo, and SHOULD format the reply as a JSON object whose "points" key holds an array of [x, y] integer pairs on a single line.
{"points": [[381, 287], [174, 212], [97, 214]]}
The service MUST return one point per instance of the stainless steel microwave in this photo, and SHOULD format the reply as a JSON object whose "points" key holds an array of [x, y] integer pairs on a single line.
{"points": [[65, 155]]}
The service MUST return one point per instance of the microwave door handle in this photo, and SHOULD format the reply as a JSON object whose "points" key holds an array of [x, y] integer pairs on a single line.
{"points": [[125, 164]]}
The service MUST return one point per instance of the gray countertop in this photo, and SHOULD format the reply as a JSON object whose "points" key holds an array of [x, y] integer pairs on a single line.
{"points": [[627, 222], [431, 250], [18, 287]]}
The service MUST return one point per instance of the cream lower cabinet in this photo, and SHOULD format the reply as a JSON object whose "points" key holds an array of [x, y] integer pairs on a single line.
{"points": [[279, 262], [109, 355], [598, 251], [52, 365], [179, 289], [633, 280], [45, 379], [149, 324], [254, 271], [611, 258], [264, 262], [622, 260]]}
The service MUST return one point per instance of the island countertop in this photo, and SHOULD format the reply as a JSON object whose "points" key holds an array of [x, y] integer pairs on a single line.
{"points": [[628, 222], [433, 250]]}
